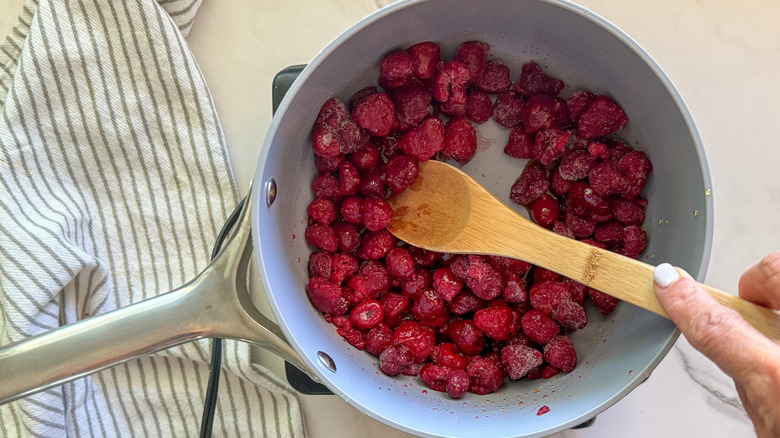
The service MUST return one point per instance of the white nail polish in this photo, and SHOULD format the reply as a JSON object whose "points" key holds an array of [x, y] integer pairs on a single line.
{"points": [[665, 274]]}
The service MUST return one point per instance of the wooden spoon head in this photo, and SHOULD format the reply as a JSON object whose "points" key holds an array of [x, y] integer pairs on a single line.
{"points": [[435, 209]]}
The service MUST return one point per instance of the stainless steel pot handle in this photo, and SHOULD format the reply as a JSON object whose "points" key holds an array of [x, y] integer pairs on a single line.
{"points": [[215, 304]]}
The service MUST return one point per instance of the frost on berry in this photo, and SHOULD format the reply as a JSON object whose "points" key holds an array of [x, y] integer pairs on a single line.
{"points": [[602, 117], [460, 140], [519, 359], [530, 185], [533, 80]]}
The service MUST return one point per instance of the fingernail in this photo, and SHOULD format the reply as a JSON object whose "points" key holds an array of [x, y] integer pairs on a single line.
{"points": [[665, 274]]}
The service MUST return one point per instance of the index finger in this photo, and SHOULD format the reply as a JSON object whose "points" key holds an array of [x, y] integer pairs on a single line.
{"points": [[760, 284]]}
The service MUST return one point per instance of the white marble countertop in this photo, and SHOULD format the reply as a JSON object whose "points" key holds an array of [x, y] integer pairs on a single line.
{"points": [[724, 57]]}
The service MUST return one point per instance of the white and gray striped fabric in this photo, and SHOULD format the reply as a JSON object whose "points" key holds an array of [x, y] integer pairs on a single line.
{"points": [[114, 179]]}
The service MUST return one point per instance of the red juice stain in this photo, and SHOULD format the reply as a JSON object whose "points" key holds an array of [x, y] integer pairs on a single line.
{"points": [[293, 236], [424, 391], [543, 410]]}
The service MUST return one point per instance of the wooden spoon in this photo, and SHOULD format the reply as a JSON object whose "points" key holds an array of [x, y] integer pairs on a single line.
{"points": [[446, 210]]}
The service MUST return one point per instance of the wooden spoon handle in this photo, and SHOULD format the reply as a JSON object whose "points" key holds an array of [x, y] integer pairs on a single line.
{"points": [[622, 277]]}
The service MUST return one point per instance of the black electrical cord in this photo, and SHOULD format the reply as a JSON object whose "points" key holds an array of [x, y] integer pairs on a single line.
{"points": [[210, 404]]}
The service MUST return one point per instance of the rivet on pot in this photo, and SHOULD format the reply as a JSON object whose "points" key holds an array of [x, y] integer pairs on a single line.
{"points": [[326, 361], [270, 192]]}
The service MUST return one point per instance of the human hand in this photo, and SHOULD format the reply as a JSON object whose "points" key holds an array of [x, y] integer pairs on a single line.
{"points": [[720, 333]]}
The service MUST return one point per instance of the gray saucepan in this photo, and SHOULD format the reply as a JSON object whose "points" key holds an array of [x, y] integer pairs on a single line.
{"points": [[616, 353]]}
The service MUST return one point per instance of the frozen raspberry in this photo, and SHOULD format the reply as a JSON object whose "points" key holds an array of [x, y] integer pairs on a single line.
{"points": [[486, 375], [353, 336], [446, 284], [325, 141], [376, 213], [541, 275], [580, 226], [562, 117], [400, 172], [399, 263], [344, 303], [506, 264], [322, 237], [376, 114], [460, 140], [629, 212], [530, 185], [559, 352], [450, 84], [520, 144], [320, 265], [508, 109], [344, 266], [412, 104], [422, 279], [605, 303], [569, 206], [430, 309], [372, 183], [434, 376], [519, 359], [533, 374], [634, 241], [366, 158], [579, 101], [514, 288], [474, 55], [533, 80], [396, 68], [576, 165], [595, 243], [598, 150], [347, 236], [479, 107], [539, 326], [559, 185], [601, 217], [352, 210], [570, 315], [326, 186], [425, 58], [577, 290], [459, 263], [378, 339], [457, 383], [425, 140], [467, 336], [539, 113], [547, 295], [545, 210], [423, 257], [617, 149], [548, 372], [323, 294], [635, 165], [483, 279], [550, 144], [582, 194], [498, 323], [395, 307], [334, 128], [447, 355], [417, 337], [606, 179], [494, 78], [366, 315], [375, 245], [349, 179], [361, 95], [603, 117], [328, 164], [562, 229], [609, 232], [377, 277], [466, 302], [395, 359]]}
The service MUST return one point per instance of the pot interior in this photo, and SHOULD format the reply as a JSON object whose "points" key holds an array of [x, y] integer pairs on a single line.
{"points": [[616, 352]]}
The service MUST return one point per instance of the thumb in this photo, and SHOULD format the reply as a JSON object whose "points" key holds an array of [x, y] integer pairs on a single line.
{"points": [[719, 332]]}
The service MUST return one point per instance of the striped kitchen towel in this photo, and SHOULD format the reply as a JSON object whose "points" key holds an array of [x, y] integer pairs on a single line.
{"points": [[114, 180]]}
